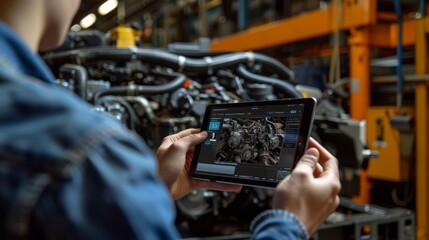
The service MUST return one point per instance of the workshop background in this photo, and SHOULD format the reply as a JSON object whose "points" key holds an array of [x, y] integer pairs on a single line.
{"points": [[156, 65]]}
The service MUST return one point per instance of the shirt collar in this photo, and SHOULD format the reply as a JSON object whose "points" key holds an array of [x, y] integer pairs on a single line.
{"points": [[16, 56]]}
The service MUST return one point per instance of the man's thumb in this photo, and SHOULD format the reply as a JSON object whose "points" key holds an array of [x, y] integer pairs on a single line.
{"points": [[194, 139]]}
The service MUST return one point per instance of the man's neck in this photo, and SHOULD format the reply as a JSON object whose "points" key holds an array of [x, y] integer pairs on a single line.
{"points": [[26, 19]]}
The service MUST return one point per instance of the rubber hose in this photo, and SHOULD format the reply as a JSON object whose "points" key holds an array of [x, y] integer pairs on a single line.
{"points": [[146, 89], [79, 75], [282, 85]]}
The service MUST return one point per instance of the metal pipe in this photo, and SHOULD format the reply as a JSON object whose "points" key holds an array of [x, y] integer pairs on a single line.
{"points": [[399, 84]]}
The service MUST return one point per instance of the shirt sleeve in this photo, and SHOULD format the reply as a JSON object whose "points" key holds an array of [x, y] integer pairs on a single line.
{"points": [[116, 194], [277, 224]]}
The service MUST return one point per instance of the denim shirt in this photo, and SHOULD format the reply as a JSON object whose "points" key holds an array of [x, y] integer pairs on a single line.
{"points": [[68, 172]]}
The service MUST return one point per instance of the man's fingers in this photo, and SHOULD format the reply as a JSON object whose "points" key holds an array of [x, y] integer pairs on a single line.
{"points": [[308, 162]]}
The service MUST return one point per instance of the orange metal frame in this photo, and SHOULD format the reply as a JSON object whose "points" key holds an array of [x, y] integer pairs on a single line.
{"points": [[362, 20], [422, 134], [386, 35], [306, 26]]}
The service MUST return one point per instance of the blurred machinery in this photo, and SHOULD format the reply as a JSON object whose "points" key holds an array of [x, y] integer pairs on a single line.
{"points": [[391, 132], [393, 140], [156, 93], [125, 36]]}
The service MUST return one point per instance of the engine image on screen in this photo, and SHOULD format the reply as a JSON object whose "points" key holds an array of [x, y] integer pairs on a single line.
{"points": [[251, 140]]}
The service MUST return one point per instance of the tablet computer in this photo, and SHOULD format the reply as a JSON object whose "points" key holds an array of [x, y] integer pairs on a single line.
{"points": [[253, 143]]}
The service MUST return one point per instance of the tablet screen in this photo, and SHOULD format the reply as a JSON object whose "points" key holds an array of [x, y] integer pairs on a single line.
{"points": [[253, 143]]}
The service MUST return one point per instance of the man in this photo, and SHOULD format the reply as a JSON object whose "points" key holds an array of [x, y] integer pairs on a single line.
{"points": [[67, 172]]}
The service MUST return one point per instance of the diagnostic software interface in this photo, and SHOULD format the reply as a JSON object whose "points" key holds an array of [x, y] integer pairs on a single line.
{"points": [[257, 143]]}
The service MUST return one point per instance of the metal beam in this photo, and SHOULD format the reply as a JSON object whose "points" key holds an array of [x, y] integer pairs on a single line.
{"points": [[306, 26], [386, 35], [422, 131]]}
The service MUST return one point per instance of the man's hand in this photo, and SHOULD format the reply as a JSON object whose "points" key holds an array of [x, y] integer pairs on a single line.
{"points": [[311, 191], [174, 160]]}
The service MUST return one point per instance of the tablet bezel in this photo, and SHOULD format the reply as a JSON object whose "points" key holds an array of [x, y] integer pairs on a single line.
{"points": [[302, 142]]}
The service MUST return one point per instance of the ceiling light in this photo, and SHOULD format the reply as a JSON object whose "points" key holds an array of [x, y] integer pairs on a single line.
{"points": [[87, 21], [107, 7]]}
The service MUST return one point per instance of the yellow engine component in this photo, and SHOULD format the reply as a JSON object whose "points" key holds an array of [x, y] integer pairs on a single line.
{"points": [[124, 36], [393, 145]]}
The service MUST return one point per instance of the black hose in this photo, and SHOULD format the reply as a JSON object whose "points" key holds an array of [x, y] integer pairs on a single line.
{"points": [[134, 90], [163, 58], [282, 85], [78, 74], [133, 120], [240, 90]]}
